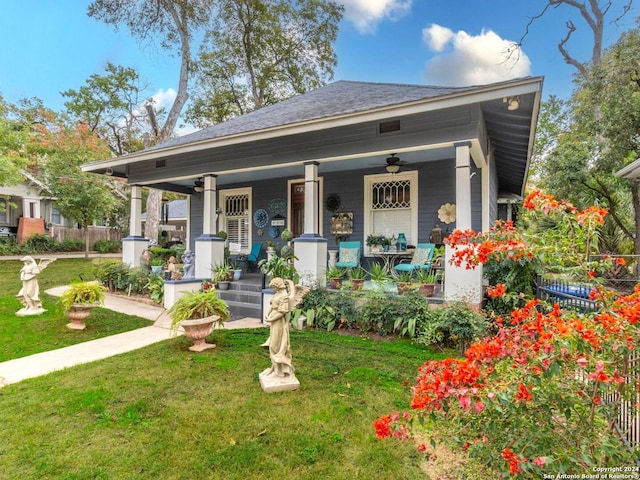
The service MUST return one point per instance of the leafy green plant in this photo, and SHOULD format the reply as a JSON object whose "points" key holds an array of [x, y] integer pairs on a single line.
{"points": [[426, 276], [279, 267], [83, 293], [405, 277], [222, 273], [155, 287], [336, 272], [107, 246], [415, 312], [357, 273], [198, 304], [453, 326]]}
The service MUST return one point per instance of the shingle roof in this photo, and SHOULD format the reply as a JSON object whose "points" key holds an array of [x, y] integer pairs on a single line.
{"points": [[339, 98]]}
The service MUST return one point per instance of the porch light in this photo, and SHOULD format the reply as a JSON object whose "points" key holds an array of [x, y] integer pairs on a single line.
{"points": [[393, 168], [513, 103], [198, 186]]}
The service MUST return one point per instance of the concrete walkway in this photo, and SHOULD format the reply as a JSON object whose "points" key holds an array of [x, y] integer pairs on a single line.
{"points": [[14, 371]]}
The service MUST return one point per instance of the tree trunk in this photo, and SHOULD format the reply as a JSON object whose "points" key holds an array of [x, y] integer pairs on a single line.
{"points": [[85, 229], [152, 223], [635, 195]]}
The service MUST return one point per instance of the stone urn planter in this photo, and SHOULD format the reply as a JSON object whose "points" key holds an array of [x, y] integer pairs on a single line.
{"points": [[198, 312], [78, 313], [357, 283], [198, 330], [427, 289], [78, 301]]}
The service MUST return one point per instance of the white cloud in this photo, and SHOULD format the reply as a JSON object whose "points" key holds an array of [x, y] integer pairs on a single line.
{"points": [[463, 59], [164, 98], [367, 14]]}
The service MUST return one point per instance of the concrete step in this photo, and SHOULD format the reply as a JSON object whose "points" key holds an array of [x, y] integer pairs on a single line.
{"points": [[240, 310]]}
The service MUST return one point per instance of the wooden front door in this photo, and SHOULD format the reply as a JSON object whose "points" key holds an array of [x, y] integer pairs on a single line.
{"points": [[296, 221]]}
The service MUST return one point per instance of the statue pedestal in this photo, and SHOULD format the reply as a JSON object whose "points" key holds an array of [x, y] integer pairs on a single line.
{"points": [[24, 312], [273, 383]]}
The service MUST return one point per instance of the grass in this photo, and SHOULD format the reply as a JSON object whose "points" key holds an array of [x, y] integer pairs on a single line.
{"points": [[164, 412], [22, 336]]}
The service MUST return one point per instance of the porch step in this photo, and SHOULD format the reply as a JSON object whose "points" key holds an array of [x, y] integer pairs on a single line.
{"points": [[244, 300]]}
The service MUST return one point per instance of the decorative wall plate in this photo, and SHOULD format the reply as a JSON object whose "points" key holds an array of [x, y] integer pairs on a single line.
{"points": [[274, 232], [261, 218], [278, 205], [447, 213]]}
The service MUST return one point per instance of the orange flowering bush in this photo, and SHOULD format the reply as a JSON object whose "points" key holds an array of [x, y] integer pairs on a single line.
{"points": [[543, 393]]}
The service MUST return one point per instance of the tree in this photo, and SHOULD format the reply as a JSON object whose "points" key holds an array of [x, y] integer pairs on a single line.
{"points": [[12, 140], [594, 14], [257, 53], [174, 22], [110, 106]]}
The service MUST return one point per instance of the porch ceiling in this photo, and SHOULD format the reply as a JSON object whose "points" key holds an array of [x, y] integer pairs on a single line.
{"points": [[429, 129]]}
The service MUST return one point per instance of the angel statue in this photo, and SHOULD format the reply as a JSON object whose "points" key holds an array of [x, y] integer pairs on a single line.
{"points": [[280, 376], [29, 294]]}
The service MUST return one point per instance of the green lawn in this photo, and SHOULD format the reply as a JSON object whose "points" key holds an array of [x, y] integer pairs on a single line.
{"points": [[164, 412], [22, 336]]}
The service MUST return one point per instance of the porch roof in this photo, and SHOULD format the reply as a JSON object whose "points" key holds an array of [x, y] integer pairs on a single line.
{"points": [[337, 125]]}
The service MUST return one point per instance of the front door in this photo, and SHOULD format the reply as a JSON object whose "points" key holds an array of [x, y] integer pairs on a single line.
{"points": [[296, 221]]}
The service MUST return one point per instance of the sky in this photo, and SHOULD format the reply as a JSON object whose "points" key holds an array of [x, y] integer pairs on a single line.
{"points": [[50, 46]]}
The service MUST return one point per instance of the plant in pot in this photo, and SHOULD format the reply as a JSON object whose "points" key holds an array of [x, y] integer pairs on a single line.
{"points": [[427, 281], [279, 267], [78, 301], [286, 235], [404, 282], [157, 264], [379, 275], [270, 248], [198, 312], [335, 276], [222, 275], [356, 276], [374, 242]]}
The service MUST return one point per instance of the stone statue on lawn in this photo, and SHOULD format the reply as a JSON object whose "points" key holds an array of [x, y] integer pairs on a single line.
{"points": [[29, 294], [280, 376]]}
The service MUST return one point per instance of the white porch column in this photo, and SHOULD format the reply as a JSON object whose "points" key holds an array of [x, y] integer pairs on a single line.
{"points": [[135, 243], [310, 248], [209, 247], [462, 284], [31, 207]]}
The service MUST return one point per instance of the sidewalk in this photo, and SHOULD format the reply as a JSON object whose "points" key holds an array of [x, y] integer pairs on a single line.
{"points": [[19, 369]]}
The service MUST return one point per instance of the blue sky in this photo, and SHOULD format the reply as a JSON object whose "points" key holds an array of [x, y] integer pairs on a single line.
{"points": [[51, 45]]}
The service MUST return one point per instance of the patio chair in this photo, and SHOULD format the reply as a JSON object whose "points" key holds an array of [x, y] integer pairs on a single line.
{"points": [[421, 259], [349, 254], [252, 258]]}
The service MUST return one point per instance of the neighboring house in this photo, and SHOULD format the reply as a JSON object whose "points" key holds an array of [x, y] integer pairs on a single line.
{"points": [[276, 167], [173, 221], [27, 208]]}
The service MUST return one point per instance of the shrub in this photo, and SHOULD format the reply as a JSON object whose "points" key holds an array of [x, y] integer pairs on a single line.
{"points": [[112, 274], [379, 312], [69, 245], [107, 246], [455, 325], [40, 243]]}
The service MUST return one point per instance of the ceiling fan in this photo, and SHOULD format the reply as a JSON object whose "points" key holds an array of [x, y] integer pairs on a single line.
{"points": [[394, 164]]}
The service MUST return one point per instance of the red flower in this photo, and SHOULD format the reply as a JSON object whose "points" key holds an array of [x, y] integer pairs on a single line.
{"points": [[381, 426], [523, 394], [498, 291]]}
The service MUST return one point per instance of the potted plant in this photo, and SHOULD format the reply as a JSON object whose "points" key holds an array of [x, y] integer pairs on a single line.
{"points": [[198, 312], [356, 275], [374, 242], [222, 275], [427, 281], [156, 264], [404, 282], [379, 276], [78, 301], [279, 267], [335, 276], [270, 248]]}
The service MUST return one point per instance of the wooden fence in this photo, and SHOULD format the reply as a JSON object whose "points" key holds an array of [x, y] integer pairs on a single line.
{"points": [[60, 234]]}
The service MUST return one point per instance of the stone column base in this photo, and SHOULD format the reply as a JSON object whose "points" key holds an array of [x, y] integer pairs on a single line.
{"points": [[273, 383], [209, 253], [311, 251], [132, 248]]}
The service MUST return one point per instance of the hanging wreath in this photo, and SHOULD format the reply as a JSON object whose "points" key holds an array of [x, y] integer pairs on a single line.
{"points": [[333, 202]]}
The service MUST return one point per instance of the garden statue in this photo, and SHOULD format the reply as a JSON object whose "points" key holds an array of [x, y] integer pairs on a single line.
{"points": [[145, 260], [189, 261], [172, 267], [29, 294], [280, 376]]}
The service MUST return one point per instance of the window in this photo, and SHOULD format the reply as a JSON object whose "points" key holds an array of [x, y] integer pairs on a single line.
{"points": [[4, 211], [56, 218], [236, 208], [391, 205]]}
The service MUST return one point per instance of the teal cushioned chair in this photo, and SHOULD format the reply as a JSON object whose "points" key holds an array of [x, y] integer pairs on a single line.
{"points": [[252, 258], [421, 258], [349, 254]]}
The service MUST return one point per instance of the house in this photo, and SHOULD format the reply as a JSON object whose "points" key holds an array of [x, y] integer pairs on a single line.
{"points": [[393, 154], [27, 208]]}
